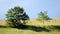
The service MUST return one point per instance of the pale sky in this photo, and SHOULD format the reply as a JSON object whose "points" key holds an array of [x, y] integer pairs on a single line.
{"points": [[31, 7]]}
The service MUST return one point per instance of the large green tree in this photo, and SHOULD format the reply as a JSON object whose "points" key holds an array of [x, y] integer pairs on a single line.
{"points": [[43, 16], [16, 16]]}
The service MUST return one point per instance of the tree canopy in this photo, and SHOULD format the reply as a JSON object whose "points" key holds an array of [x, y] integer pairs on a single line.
{"points": [[16, 16], [43, 16]]}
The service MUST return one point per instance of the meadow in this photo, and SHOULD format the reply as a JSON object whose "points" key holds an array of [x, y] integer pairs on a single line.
{"points": [[33, 27]]}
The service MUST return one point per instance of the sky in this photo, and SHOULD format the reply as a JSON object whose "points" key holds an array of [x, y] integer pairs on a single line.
{"points": [[31, 7]]}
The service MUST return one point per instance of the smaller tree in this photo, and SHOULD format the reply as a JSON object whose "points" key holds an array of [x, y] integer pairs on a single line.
{"points": [[43, 16]]}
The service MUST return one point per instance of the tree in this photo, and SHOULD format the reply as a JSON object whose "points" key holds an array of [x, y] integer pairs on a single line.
{"points": [[43, 16], [16, 16]]}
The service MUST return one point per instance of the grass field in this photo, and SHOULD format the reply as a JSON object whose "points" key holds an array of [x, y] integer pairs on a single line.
{"points": [[19, 31], [35, 27]]}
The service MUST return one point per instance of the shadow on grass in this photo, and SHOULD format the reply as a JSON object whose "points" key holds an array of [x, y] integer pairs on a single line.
{"points": [[27, 27], [54, 27], [35, 28], [1, 26]]}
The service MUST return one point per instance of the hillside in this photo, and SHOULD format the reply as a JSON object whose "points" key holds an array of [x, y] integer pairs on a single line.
{"points": [[34, 21], [36, 29], [55, 21]]}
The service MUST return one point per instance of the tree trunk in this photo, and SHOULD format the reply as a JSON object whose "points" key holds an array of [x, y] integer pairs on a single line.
{"points": [[43, 23]]}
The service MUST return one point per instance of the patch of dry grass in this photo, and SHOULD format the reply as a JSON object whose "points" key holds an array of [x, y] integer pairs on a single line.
{"points": [[2, 22], [34, 21]]}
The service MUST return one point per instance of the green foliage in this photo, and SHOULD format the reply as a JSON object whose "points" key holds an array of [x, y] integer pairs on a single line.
{"points": [[16, 16], [43, 16]]}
